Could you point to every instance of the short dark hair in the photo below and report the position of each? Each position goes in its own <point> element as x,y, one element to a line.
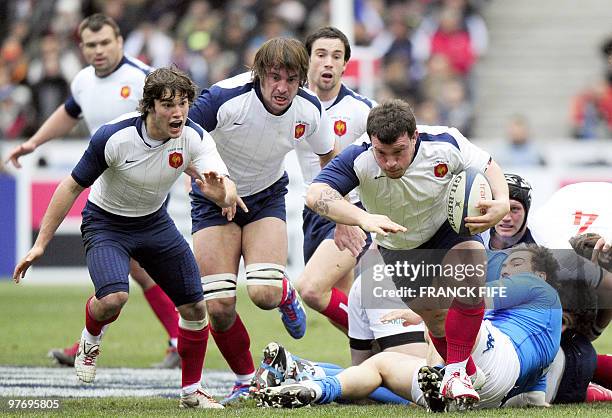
<point>96,22</point>
<point>329,32</point>
<point>390,120</point>
<point>542,260</point>
<point>281,52</point>
<point>161,81</point>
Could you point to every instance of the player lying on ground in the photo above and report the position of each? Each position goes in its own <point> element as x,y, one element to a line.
<point>517,341</point>
<point>131,164</point>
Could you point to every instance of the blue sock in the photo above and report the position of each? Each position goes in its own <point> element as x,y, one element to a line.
<point>330,388</point>
<point>330,369</point>
<point>384,395</point>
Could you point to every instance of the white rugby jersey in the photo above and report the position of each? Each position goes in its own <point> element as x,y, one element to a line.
<point>101,99</point>
<point>131,177</point>
<point>417,199</point>
<point>574,209</point>
<point>349,115</point>
<point>252,141</point>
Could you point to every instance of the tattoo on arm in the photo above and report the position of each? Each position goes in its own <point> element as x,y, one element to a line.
<point>327,196</point>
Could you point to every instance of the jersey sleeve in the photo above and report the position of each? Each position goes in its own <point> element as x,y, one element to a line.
<point>523,291</point>
<point>321,141</point>
<point>206,107</point>
<point>206,157</point>
<point>472,156</point>
<point>340,173</point>
<point>93,162</point>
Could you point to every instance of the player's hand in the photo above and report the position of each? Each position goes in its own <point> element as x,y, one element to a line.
<point>25,263</point>
<point>494,211</point>
<point>407,316</point>
<point>348,237</point>
<point>380,224</point>
<point>602,253</point>
<point>19,151</point>
<point>230,211</point>
<point>212,185</point>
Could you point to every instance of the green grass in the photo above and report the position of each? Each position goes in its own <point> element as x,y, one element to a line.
<point>36,318</point>
<point>158,407</point>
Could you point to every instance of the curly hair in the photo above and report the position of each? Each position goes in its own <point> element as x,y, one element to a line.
<point>166,83</point>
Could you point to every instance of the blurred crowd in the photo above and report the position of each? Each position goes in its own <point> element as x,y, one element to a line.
<point>426,48</point>
<point>591,108</point>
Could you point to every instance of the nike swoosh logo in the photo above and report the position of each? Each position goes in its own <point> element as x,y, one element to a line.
<point>130,161</point>
<point>237,124</point>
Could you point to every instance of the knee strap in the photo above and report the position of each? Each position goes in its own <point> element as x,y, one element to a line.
<point>216,286</point>
<point>265,274</point>
<point>193,325</point>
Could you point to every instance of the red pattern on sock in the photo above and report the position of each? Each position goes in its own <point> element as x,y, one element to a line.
<point>334,311</point>
<point>192,348</point>
<point>285,290</point>
<point>234,345</point>
<point>462,325</point>
<point>596,393</point>
<point>164,309</point>
<point>94,327</point>
<point>603,371</point>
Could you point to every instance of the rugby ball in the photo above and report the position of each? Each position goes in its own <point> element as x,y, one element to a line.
<point>465,190</point>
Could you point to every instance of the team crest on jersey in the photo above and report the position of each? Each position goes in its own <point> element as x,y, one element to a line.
<point>300,128</point>
<point>440,170</point>
<point>125,92</point>
<point>175,159</point>
<point>340,127</point>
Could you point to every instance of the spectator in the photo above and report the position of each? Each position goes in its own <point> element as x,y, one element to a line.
<point>519,149</point>
<point>14,106</point>
<point>591,111</point>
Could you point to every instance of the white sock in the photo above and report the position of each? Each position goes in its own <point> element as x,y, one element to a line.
<point>245,379</point>
<point>188,390</point>
<point>91,339</point>
<point>314,386</point>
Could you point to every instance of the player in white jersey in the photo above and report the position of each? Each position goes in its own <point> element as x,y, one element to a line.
<point>402,177</point>
<point>327,276</point>
<point>131,164</point>
<point>255,119</point>
<point>110,86</point>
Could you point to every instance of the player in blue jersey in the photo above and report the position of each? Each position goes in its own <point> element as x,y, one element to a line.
<point>402,178</point>
<point>516,343</point>
<point>108,87</point>
<point>255,118</point>
<point>328,274</point>
<point>131,164</point>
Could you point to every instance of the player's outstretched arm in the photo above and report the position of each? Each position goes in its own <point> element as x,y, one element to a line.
<point>495,209</point>
<point>61,202</point>
<point>328,202</point>
<point>58,124</point>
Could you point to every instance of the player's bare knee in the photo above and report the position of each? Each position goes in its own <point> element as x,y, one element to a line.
<point>312,296</point>
<point>193,311</point>
<point>265,297</point>
<point>221,312</point>
<point>111,304</point>
<point>265,284</point>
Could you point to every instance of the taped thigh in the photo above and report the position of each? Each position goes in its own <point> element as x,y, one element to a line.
<point>216,286</point>
<point>265,274</point>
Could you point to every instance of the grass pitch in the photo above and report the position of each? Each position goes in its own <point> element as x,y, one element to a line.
<point>35,318</point>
